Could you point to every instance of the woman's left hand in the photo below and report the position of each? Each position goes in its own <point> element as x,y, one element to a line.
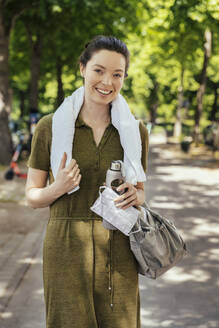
<point>129,198</point>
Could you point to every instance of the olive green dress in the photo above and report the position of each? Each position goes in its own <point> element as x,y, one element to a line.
<point>90,276</point>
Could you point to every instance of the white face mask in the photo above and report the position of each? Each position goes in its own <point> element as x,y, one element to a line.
<point>123,220</point>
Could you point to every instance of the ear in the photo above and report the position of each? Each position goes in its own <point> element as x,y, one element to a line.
<point>82,68</point>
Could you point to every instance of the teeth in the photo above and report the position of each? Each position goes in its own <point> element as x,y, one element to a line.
<point>104,92</point>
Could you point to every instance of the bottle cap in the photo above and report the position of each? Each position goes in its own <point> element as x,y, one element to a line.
<point>115,166</point>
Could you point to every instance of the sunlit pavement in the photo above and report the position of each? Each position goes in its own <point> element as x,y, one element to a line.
<point>186,296</point>
<point>21,235</point>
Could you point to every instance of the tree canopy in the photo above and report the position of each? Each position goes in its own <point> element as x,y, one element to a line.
<point>174,46</point>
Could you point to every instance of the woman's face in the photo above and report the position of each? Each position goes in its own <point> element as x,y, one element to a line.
<point>103,76</point>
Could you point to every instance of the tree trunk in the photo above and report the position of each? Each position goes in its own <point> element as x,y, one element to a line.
<point>216,138</point>
<point>6,25</point>
<point>154,103</point>
<point>22,96</point>
<point>203,79</point>
<point>178,123</point>
<point>5,135</point>
<point>215,107</point>
<point>36,52</point>
<point>60,91</point>
<point>153,112</point>
<point>35,60</point>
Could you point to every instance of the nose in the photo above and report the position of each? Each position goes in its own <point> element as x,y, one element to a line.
<point>107,79</point>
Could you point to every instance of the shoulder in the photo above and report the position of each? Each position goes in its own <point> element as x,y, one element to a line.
<point>41,143</point>
<point>45,122</point>
<point>43,131</point>
<point>44,128</point>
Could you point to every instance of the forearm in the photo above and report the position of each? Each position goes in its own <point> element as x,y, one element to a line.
<point>42,197</point>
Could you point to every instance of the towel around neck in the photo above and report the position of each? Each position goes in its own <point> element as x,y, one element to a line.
<point>63,128</point>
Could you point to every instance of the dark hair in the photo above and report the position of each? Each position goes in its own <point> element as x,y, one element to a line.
<point>104,42</point>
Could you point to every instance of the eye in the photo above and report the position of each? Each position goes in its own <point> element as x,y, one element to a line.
<point>99,71</point>
<point>117,75</point>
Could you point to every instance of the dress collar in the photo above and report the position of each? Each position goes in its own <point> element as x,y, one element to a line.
<point>80,122</point>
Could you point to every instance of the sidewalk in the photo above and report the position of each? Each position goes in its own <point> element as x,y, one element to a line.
<point>21,236</point>
<point>188,191</point>
<point>185,297</point>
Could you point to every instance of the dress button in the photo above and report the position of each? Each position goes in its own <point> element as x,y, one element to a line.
<point>111,305</point>
<point>110,288</point>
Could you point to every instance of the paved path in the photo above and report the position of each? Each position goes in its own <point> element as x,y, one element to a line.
<point>186,296</point>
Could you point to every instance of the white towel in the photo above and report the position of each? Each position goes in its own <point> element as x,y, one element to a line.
<point>63,128</point>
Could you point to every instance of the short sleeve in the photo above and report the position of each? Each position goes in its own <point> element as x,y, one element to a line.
<point>41,143</point>
<point>145,145</point>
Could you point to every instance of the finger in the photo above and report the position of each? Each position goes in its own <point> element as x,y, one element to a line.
<point>125,195</point>
<point>71,171</point>
<point>63,161</point>
<point>71,164</point>
<point>129,205</point>
<point>123,186</point>
<point>74,171</point>
<point>126,201</point>
<point>75,175</point>
<point>77,181</point>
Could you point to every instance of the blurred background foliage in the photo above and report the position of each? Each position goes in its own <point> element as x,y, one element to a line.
<point>174,44</point>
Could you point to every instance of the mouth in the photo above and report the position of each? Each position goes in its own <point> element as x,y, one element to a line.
<point>104,92</point>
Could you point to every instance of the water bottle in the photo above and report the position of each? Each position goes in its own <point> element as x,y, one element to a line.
<point>114,179</point>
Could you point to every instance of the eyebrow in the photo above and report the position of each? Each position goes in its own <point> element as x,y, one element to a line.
<point>116,70</point>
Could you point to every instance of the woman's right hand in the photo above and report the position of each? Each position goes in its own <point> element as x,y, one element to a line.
<point>68,177</point>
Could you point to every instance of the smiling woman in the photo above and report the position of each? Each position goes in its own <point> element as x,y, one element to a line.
<point>90,274</point>
<point>102,84</point>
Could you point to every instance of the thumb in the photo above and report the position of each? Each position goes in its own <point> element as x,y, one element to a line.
<point>63,161</point>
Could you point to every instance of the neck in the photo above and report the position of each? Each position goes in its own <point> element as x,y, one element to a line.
<point>93,112</point>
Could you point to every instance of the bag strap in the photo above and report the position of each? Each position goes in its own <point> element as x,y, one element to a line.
<point>145,205</point>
